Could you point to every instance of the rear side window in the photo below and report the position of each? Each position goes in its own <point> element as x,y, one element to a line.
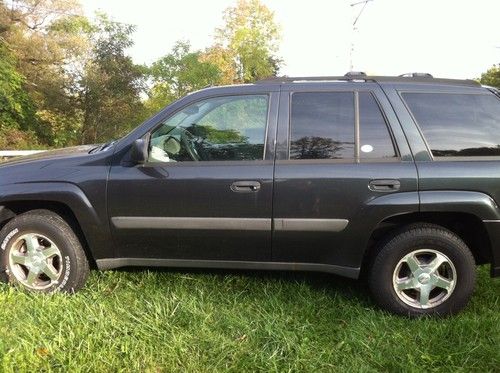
<point>322,126</point>
<point>458,125</point>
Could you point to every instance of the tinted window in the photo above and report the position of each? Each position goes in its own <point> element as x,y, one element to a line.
<point>458,125</point>
<point>322,125</point>
<point>216,129</point>
<point>375,140</point>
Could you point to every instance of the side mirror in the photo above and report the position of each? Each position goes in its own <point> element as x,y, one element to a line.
<point>139,151</point>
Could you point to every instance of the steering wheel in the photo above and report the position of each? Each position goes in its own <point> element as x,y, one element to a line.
<point>187,139</point>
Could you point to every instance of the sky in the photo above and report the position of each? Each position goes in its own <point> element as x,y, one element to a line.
<point>447,38</point>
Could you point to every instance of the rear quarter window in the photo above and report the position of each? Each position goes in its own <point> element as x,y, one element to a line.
<point>457,125</point>
<point>375,139</point>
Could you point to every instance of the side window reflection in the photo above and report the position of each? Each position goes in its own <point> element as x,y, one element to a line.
<point>217,129</point>
<point>322,125</point>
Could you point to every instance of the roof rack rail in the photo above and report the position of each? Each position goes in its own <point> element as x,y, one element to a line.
<point>294,79</point>
<point>362,77</point>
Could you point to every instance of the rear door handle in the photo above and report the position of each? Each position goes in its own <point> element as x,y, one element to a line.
<point>385,185</point>
<point>245,186</point>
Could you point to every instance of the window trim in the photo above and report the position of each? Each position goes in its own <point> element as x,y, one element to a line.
<point>427,145</point>
<point>356,159</point>
<point>163,120</point>
<point>260,162</point>
<point>357,137</point>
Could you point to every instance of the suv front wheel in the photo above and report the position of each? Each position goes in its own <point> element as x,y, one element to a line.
<point>40,252</point>
<point>423,269</point>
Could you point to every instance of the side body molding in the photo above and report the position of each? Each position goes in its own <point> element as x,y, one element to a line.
<point>311,225</point>
<point>475,203</point>
<point>211,223</point>
<point>94,227</point>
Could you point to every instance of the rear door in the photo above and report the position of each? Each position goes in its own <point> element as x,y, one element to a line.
<point>343,165</point>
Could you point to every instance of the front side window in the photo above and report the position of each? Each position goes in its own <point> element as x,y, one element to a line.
<point>457,125</point>
<point>230,128</point>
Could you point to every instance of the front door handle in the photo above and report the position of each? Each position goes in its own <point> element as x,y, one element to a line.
<point>385,185</point>
<point>245,186</point>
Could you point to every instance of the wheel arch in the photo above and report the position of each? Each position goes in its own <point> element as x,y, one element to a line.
<point>468,226</point>
<point>67,200</point>
<point>13,208</point>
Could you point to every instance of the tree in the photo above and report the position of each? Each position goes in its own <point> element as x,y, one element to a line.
<point>178,73</point>
<point>244,51</point>
<point>111,85</point>
<point>46,38</point>
<point>17,112</point>
<point>250,37</point>
<point>491,77</point>
<point>316,148</point>
<point>222,58</point>
<point>67,80</point>
<point>82,85</point>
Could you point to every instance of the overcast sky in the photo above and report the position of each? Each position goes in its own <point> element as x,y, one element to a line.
<point>448,38</point>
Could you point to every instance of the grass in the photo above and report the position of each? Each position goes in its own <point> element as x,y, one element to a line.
<point>164,321</point>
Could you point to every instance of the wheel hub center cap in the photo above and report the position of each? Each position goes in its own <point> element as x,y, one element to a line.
<point>424,278</point>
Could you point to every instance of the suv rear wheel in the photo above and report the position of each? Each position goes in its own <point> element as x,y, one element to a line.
<point>423,269</point>
<point>40,252</point>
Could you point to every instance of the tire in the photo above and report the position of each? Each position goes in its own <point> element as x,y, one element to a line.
<point>423,269</point>
<point>40,252</point>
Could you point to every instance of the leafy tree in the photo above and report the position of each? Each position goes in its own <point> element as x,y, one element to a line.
<point>178,73</point>
<point>491,77</point>
<point>67,80</point>
<point>46,37</point>
<point>244,51</point>
<point>223,59</point>
<point>250,37</point>
<point>110,88</point>
<point>17,113</point>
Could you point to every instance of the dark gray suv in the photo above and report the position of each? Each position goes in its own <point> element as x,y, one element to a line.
<point>395,179</point>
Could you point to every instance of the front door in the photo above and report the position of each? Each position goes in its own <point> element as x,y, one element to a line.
<point>206,191</point>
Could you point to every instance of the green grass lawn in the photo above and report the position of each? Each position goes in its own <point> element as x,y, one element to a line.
<point>218,321</point>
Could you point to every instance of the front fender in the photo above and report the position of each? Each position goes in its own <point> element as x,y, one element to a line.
<point>94,226</point>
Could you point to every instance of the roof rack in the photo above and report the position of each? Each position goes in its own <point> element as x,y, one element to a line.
<point>350,76</point>
<point>355,73</point>
<point>362,77</point>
